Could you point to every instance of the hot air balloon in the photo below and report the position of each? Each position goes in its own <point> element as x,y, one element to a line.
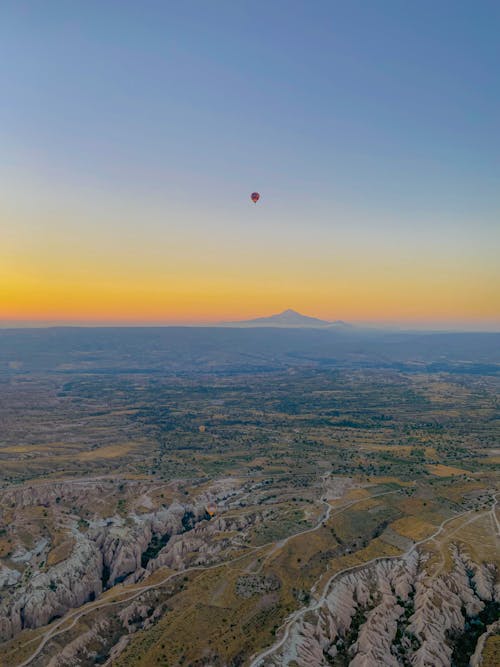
<point>255,197</point>
<point>211,508</point>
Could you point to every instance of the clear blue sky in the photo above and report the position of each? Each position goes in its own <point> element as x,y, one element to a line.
<point>366,125</point>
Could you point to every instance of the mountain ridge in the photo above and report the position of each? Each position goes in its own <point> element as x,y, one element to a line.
<point>288,318</point>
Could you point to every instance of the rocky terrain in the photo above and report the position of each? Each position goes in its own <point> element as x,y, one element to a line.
<point>108,551</point>
<point>281,510</point>
<point>390,613</point>
<point>47,595</point>
<point>402,610</point>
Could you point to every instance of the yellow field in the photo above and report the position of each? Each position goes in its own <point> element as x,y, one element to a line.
<point>108,452</point>
<point>159,575</point>
<point>491,652</point>
<point>377,548</point>
<point>60,552</point>
<point>398,450</point>
<point>490,459</point>
<point>27,449</point>
<point>459,488</point>
<point>20,647</point>
<point>472,531</point>
<point>387,479</point>
<point>413,527</point>
<point>5,547</point>
<point>445,471</point>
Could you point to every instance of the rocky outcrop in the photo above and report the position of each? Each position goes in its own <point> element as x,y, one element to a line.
<point>389,613</point>
<point>139,615</point>
<point>122,546</point>
<point>46,494</point>
<point>46,595</point>
<point>249,585</point>
<point>112,550</point>
<point>8,577</point>
<point>198,546</point>
<point>190,549</point>
<point>116,650</point>
<point>107,636</point>
<point>439,605</point>
<point>68,657</point>
<point>483,579</point>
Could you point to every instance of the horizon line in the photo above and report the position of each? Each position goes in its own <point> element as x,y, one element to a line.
<point>381,325</point>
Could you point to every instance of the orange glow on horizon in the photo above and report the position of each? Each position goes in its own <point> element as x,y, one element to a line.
<point>65,269</point>
<point>28,299</point>
<point>131,148</point>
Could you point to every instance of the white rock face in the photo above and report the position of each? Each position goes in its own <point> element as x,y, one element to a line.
<point>111,551</point>
<point>48,594</point>
<point>68,656</point>
<point>8,577</point>
<point>122,547</point>
<point>25,556</point>
<point>388,613</point>
<point>197,546</point>
<point>318,635</point>
<point>46,494</point>
<point>377,634</point>
<point>484,579</point>
<point>438,611</point>
<point>71,583</point>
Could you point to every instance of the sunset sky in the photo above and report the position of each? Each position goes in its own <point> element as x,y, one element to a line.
<point>132,134</point>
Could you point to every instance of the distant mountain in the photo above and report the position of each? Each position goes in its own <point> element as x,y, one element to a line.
<point>288,318</point>
<point>340,324</point>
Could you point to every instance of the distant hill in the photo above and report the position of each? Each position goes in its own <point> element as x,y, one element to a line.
<point>288,318</point>
<point>108,351</point>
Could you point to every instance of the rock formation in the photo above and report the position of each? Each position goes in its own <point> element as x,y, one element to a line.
<point>389,613</point>
<point>110,551</point>
<point>49,594</point>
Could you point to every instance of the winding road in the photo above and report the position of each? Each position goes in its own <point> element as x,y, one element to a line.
<point>60,626</point>
<point>69,620</point>
<point>258,661</point>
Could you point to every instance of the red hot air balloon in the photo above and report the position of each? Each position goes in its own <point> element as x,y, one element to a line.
<point>255,197</point>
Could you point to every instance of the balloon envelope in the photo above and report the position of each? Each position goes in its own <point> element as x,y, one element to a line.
<point>255,197</point>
